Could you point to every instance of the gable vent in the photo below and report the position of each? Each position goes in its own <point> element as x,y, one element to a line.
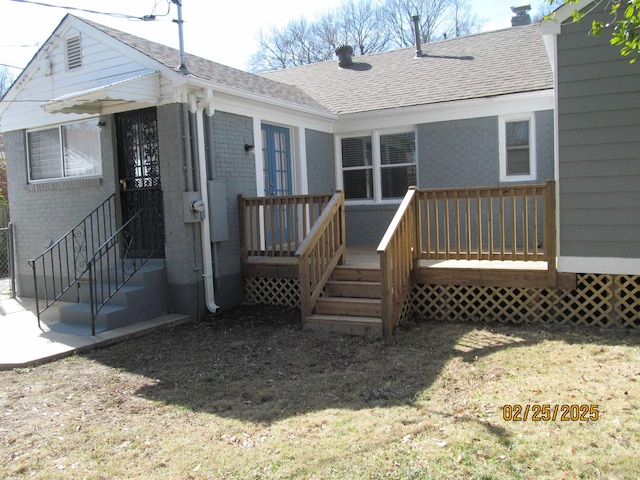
<point>74,52</point>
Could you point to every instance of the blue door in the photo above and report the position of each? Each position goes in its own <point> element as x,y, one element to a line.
<point>276,154</point>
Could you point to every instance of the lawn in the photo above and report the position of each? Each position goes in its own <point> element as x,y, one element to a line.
<point>247,394</point>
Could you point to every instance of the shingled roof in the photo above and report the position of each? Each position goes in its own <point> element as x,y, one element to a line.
<point>212,71</point>
<point>489,64</point>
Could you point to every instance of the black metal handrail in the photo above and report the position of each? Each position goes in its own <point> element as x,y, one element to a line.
<point>111,268</point>
<point>64,263</point>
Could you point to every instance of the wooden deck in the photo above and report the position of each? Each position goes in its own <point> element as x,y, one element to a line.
<point>498,273</point>
<point>484,237</point>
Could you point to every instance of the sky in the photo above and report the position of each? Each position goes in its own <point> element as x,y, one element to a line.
<point>223,31</point>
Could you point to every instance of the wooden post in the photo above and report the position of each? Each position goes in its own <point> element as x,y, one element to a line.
<point>550,232</point>
<point>343,229</point>
<point>305,288</point>
<point>243,233</point>
<point>387,295</point>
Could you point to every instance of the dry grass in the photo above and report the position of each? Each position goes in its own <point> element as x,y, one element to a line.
<point>249,395</point>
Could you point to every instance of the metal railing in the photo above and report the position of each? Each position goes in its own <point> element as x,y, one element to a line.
<point>89,251</point>
<point>64,263</point>
<point>117,260</point>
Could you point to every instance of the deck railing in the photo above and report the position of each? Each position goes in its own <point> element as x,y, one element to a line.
<point>398,255</point>
<point>498,223</point>
<point>276,226</point>
<point>322,249</point>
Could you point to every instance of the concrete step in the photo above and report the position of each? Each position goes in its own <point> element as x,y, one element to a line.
<point>362,274</point>
<point>358,307</point>
<point>353,288</point>
<point>110,316</point>
<point>142,298</point>
<point>345,325</point>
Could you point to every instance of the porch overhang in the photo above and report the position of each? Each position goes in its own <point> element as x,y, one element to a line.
<point>142,90</point>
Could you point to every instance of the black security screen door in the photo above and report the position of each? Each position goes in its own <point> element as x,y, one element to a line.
<point>139,168</point>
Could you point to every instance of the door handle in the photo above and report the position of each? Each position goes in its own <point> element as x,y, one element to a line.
<point>123,182</point>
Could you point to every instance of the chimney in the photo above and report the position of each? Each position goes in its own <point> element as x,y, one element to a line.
<point>522,16</point>
<point>344,53</point>
<point>416,34</point>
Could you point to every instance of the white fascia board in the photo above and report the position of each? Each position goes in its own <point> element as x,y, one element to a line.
<point>599,265</point>
<point>225,102</point>
<point>458,110</point>
<point>564,12</point>
<point>251,98</point>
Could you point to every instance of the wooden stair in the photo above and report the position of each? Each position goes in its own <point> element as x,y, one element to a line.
<point>351,303</point>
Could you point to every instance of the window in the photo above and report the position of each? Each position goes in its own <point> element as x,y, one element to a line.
<point>397,164</point>
<point>517,149</point>
<point>357,168</point>
<point>378,167</point>
<point>71,150</point>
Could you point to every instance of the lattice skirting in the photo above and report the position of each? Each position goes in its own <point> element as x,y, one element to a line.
<point>272,291</point>
<point>598,300</point>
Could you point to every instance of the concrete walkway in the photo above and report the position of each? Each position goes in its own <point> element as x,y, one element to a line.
<point>23,344</point>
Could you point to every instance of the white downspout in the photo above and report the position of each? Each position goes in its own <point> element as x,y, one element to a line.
<point>198,108</point>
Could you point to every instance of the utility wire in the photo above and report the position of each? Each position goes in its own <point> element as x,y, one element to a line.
<point>110,14</point>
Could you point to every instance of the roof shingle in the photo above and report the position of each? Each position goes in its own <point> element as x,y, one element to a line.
<point>503,62</point>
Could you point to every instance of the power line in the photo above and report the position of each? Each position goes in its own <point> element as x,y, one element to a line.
<point>110,14</point>
<point>10,66</point>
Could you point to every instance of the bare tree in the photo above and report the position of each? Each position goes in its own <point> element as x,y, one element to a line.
<point>369,26</point>
<point>296,44</point>
<point>362,26</point>
<point>398,15</point>
<point>462,20</point>
<point>5,80</point>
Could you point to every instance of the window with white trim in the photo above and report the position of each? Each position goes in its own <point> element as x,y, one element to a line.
<point>378,167</point>
<point>65,151</point>
<point>517,148</point>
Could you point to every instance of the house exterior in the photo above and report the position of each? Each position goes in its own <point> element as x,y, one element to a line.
<point>598,142</point>
<point>472,111</point>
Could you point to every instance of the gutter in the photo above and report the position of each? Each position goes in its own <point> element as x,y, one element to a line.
<point>198,108</point>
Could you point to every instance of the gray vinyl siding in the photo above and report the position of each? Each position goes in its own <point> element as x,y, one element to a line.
<point>321,175</point>
<point>599,144</point>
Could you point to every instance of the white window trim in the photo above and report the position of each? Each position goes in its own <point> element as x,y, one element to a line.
<point>61,145</point>
<point>376,163</point>
<point>502,141</point>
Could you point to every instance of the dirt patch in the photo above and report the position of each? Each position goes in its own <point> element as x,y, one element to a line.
<point>248,394</point>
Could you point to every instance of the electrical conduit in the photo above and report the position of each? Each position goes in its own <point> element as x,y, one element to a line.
<point>198,108</point>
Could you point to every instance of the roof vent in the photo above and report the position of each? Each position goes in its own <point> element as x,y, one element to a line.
<point>522,16</point>
<point>416,35</point>
<point>73,52</point>
<point>345,55</point>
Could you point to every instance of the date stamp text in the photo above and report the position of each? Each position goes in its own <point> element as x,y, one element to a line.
<point>546,413</point>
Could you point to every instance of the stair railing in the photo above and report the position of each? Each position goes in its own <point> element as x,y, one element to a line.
<point>64,263</point>
<point>322,249</point>
<point>398,251</point>
<point>117,260</point>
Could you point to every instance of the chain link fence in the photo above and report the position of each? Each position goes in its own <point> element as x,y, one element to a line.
<point>7,279</point>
